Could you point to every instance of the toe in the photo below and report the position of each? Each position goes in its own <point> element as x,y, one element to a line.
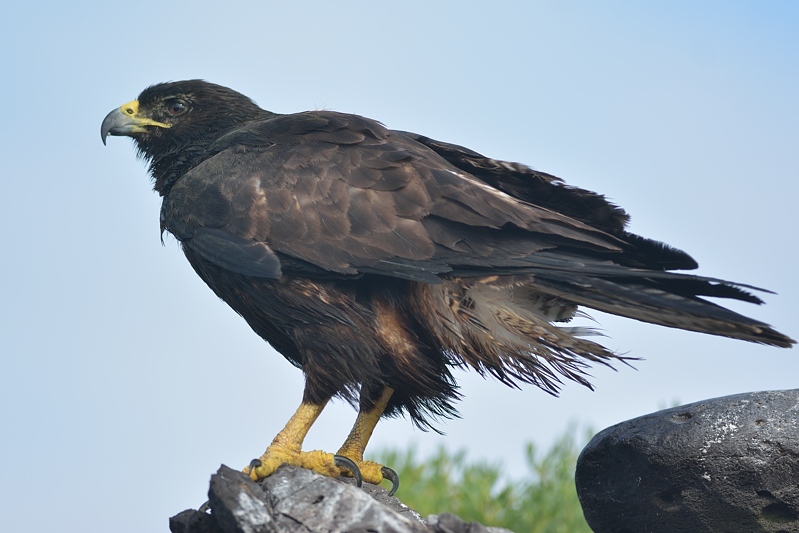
<point>392,476</point>
<point>371,472</point>
<point>349,464</point>
<point>323,463</point>
<point>270,461</point>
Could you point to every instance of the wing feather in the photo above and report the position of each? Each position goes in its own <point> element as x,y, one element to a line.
<point>349,196</point>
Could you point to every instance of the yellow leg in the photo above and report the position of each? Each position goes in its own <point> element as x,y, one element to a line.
<point>292,436</point>
<point>365,424</point>
<point>359,436</point>
<point>286,448</point>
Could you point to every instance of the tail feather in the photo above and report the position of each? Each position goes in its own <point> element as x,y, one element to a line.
<point>666,299</point>
<point>508,326</point>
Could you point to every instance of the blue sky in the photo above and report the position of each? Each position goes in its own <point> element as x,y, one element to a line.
<point>125,382</point>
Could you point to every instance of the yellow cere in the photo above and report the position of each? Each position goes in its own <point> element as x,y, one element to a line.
<point>131,109</point>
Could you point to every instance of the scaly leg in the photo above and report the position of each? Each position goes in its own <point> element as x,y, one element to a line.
<point>286,448</point>
<point>358,438</point>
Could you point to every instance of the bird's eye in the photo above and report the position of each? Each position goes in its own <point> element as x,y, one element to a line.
<point>176,107</point>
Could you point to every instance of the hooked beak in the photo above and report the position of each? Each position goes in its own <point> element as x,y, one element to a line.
<point>125,120</point>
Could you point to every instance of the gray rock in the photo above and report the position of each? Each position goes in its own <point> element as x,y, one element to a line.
<point>191,521</point>
<point>319,503</point>
<point>723,465</point>
<point>295,500</point>
<point>449,523</point>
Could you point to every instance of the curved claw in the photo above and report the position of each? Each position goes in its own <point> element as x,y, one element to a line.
<point>392,476</point>
<point>255,463</point>
<point>349,464</point>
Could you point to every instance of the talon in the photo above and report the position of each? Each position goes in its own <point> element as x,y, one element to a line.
<point>349,464</point>
<point>392,476</point>
<point>255,463</point>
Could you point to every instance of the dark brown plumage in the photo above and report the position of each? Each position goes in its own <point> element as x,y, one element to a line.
<point>373,258</point>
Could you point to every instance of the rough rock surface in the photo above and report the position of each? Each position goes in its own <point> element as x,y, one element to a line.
<point>297,500</point>
<point>723,465</point>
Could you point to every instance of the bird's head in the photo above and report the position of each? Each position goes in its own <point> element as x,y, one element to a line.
<point>174,123</point>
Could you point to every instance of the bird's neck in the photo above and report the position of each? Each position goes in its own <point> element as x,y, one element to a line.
<point>172,162</point>
<point>168,168</point>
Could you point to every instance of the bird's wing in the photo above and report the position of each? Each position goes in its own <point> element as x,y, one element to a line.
<point>550,192</point>
<point>324,194</point>
<point>340,194</point>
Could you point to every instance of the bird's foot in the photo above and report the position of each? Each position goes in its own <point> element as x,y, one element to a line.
<point>323,463</point>
<point>368,471</point>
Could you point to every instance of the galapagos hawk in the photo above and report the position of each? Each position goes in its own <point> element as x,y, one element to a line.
<point>377,260</point>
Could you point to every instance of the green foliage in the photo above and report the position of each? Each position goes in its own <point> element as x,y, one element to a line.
<point>544,501</point>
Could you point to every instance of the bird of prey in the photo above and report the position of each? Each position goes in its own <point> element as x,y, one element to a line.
<point>377,260</point>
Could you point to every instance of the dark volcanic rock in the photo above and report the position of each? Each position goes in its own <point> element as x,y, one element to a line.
<point>723,465</point>
<point>194,522</point>
<point>297,500</point>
